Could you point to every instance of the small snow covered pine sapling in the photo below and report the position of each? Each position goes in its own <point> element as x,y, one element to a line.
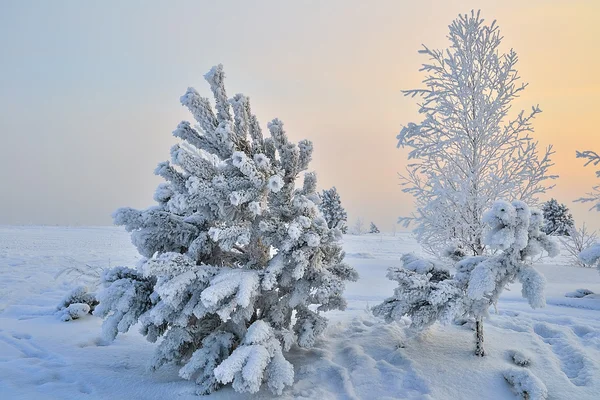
<point>373,228</point>
<point>333,212</point>
<point>239,261</point>
<point>467,151</point>
<point>515,231</point>
<point>427,293</point>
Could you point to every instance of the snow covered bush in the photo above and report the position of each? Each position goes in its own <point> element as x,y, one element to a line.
<point>239,261</point>
<point>373,228</point>
<point>576,241</point>
<point>333,212</point>
<point>520,358</point>
<point>558,220</point>
<point>591,255</point>
<point>426,294</point>
<point>526,385</point>
<point>76,304</point>
<point>466,152</point>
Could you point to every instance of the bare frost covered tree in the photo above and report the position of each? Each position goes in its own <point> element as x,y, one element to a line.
<point>358,228</point>
<point>576,241</point>
<point>466,152</point>
<point>594,196</point>
<point>591,255</point>
<point>427,293</point>
<point>239,263</point>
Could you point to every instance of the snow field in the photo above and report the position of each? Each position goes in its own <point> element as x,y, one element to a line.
<point>359,357</point>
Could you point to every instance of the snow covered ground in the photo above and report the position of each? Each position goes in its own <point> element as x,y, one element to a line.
<point>359,358</point>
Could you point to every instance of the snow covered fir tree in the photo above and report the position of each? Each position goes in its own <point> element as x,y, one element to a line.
<point>373,228</point>
<point>467,152</point>
<point>558,221</point>
<point>239,261</point>
<point>333,212</point>
<point>427,293</point>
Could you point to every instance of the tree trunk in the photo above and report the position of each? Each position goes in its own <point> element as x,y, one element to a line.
<point>479,350</point>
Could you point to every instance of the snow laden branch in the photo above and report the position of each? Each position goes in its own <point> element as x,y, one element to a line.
<point>239,261</point>
<point>466,152</point>
<point>427,293</point>
<point>593,158</point>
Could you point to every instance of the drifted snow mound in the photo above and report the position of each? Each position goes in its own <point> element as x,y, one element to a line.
<point>520,358</point>
<point>579,293</point>
<point>591,255</point>
<point>526,385</point>
<point>76,304</point>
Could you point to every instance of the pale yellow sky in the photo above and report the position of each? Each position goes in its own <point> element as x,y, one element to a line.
<point>89,92</point>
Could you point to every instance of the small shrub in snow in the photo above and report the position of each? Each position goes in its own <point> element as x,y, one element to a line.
<point>76,304</point>
<point>333,212</point>
<point>373,228</point>
<point>591,255</point>
<point>424,293</point>
<point>239,263</point>
<point>579,293</point>
<point>427,293</point>
<point>520,358</point>
<point>526,385</point>
<point>74,311</point>
<point>89,275</point>
<point>577,241</point>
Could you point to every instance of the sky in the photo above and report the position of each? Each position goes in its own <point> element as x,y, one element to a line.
<point>89,92</point>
